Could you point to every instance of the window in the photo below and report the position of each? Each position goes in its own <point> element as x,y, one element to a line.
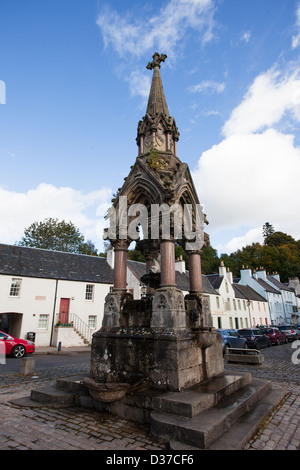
<point>43,322</point>
<point>92,322</point>
<point>89,292</point>
<point>218,302</point>
<point>15,288</point>
<point>234,304</point>
<point>239,304</point>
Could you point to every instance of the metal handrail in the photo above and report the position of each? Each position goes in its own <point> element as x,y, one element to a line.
<point>81,327</point>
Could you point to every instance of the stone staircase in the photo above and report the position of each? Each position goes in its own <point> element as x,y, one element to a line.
<point>221,414</point>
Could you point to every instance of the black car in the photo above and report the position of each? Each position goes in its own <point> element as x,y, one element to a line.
<point>231,339</point>
<point>255,338</point>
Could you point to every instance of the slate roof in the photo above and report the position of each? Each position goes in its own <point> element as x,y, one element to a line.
<point>138,268</point>
<point>48,264</point>
<point>279,284</point>
<point>215,280</point>
<point>182,279</point>
<point>246,292</point>
<point>267,286</point>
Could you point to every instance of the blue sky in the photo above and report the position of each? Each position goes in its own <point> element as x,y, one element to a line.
<point>76,86</point>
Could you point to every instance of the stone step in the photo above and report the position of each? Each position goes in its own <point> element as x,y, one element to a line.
<point>50,396</point>
<point>72,384</point>
<point>202,430</point>
<point>242,431</point>
<point>191,402</point>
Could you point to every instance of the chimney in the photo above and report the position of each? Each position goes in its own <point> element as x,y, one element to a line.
<point>229,276</point>
<point>180,265</point>
<point>261,274</point>
<point>110,256</point>
<point>246,275</point>
<point>222,269</point>
<point>276,276</point>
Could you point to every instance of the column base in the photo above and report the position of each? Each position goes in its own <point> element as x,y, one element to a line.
<point>168,309</point>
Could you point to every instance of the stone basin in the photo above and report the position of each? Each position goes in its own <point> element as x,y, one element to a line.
<point>206,336</point>
<point>106,392</point>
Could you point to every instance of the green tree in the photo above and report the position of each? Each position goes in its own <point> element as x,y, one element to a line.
<point>209,260</point>
<point>268,229</point>
<point>136,255</point>
<point>279,238</point>
<point>52,234</point>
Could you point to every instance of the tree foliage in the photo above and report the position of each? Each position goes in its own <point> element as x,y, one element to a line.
<point>52,234</point>
<point>279,253</point>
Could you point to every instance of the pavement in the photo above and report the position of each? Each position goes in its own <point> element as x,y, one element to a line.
<point>78,428</point>
<point>63,351</point>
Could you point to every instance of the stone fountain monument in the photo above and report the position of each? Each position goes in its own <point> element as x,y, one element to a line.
<point>158,359</point>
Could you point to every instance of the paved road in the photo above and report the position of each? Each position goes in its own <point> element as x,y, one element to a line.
<point>82,429</point>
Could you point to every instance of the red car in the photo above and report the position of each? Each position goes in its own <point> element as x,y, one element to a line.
<point>16,347</point>
<point>276,336</point>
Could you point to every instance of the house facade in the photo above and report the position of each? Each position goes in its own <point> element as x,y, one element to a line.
<point>281,299</point>
<point>235,307</point>
<point>57,296</point>
<point>60,296</point>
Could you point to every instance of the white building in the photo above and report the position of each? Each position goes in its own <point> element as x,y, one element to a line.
<point>236,306</point>
<point>60,296</point>
<point>281,299</point>
<point>51,294</point>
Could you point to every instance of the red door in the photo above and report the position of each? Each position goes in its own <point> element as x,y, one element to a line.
<point>64,310</point>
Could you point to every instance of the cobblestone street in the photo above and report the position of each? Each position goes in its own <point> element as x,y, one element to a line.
<point>83,429</point>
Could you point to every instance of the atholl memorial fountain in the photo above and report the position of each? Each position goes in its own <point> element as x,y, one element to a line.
<point>159,360</point>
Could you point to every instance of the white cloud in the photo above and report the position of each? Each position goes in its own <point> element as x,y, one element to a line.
<point>252,175</point>
<point>86,211</point>
<point>164,29</point>
<point>246,36</point>
<point>208,86</point>
<point>269,97</point>
<point>253,235</point>
<point>139,84</point>
<point>296,38</point>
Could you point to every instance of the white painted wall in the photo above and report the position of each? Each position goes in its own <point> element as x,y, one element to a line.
<point>37,297</point>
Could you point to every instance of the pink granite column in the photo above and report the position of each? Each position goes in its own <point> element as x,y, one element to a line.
<point>167,253</point>
<point>120,266</point>
<point>195,271</point>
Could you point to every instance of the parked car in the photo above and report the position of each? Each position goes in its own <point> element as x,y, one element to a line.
<point>16,347</point>
<point>255,338</point>
<point>231,339</point>
<point>276,336</point>
<point>291,331</point>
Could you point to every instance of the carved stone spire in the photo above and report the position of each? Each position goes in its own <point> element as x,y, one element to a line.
<point>157,130</point>
<point>157,103</point>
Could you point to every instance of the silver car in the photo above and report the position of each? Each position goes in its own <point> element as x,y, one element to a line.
<point>292,333</point>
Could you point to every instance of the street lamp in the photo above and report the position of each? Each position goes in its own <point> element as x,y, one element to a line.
<point>249,303</point>
<point>144,291</point>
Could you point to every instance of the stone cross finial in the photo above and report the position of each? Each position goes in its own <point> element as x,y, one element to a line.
<point>157,59</point>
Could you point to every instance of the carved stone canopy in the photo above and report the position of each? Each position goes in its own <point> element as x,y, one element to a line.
<point>158,176</point>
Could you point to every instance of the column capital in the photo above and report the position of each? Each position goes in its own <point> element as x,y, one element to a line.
<point>194,252</point>
<point>121,245</point>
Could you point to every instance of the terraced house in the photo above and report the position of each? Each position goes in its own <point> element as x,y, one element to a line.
<point>59,297</point>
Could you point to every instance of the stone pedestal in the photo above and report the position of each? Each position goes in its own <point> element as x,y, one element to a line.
<point>168,358</point>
